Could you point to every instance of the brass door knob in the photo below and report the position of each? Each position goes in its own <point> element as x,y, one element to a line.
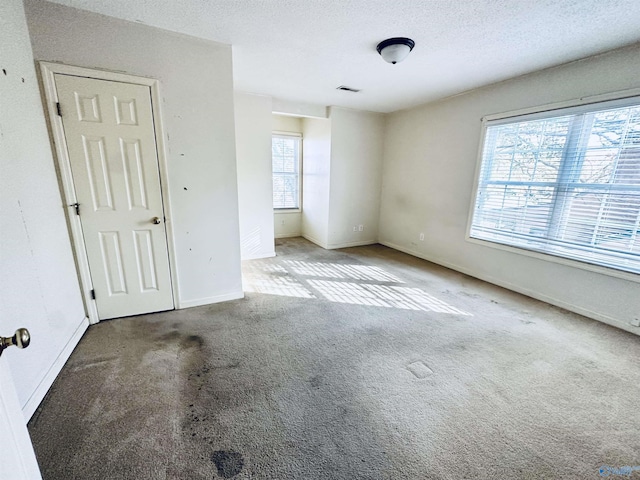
<point>156,220</point>
<point>20,339</point>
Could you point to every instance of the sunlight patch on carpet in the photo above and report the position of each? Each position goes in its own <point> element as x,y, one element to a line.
<point>383,296</point>
<point>338,270</point>
<point>275,285</point>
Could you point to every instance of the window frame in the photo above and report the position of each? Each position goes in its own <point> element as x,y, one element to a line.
<point>568,107</point>
<point>298,136</point>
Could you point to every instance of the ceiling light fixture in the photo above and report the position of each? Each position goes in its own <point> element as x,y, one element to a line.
<point>394,50</point>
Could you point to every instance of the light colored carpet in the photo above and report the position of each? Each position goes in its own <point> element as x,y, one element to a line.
<point>362,363</point>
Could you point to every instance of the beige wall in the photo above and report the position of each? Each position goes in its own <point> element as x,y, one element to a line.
<point>429,171</point>
<point>255,188</point>
<point>197,101</point>
<point>39,288</point>
<point>342,178</point>
<point>316,154</point>
<point>286,123</point>
<point>356,176</point>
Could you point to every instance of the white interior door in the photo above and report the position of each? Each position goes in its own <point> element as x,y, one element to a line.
<point>17,459</point>
<point>109,131</point>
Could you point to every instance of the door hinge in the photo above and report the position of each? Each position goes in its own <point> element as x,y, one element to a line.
<point>93,294</point>
<point>59,109</point>
<point>77,207</point>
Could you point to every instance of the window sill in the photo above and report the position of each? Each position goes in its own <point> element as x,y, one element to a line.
<point>287,210</point>
<point>612,272</point>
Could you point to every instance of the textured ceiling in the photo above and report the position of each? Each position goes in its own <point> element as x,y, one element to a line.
<point>301,50</point>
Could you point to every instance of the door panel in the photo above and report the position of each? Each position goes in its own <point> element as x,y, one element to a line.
<point>110,137</point>
<point>17,458</point>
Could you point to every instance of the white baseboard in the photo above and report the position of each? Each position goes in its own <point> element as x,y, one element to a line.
<point>359,243</point>
<point>313,240</point>
<point>260,255</point>
<point>31,405</point>
<point>333,246</point>
<point>209,300</point>
<point>288,235</point>
<point>516,288</point>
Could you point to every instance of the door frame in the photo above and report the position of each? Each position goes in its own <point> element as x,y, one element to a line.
<point>47,74</point>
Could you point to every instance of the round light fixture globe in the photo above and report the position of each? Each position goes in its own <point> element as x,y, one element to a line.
<point>394,50</point>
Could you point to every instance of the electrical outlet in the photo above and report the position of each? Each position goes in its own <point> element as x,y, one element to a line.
<point>355,229</point>
<point>635,322</point>
<point>360,228</point>
<point>422,237</point>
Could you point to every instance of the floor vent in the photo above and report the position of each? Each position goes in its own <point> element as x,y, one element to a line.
<point>419,369</point>
<point>348,89</point>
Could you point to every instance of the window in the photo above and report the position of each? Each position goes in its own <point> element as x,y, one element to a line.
<point>285,156</point>
<point>565,183</point>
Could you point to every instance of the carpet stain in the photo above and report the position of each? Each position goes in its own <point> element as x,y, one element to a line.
<point>193,341</point>
<point>316,381</point>
<point>169,337</point>
<point>228,463</point>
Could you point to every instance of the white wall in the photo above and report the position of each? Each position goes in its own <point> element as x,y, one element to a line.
<point>356,176</point>
<point>255,187</point>
<point>316,154</point>
<point>342,175</point>
<point>286,123</point>
<point>298,109</point>
<point>429,167</point>
<point>38,285</point>
<point>197,90</point>
<point>287,224</point>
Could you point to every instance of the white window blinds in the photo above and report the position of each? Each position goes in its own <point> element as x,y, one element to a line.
<point>285,155</point>
<point>565,183</point>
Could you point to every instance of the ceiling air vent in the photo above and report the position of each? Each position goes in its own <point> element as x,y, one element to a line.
<point>348,89</point>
